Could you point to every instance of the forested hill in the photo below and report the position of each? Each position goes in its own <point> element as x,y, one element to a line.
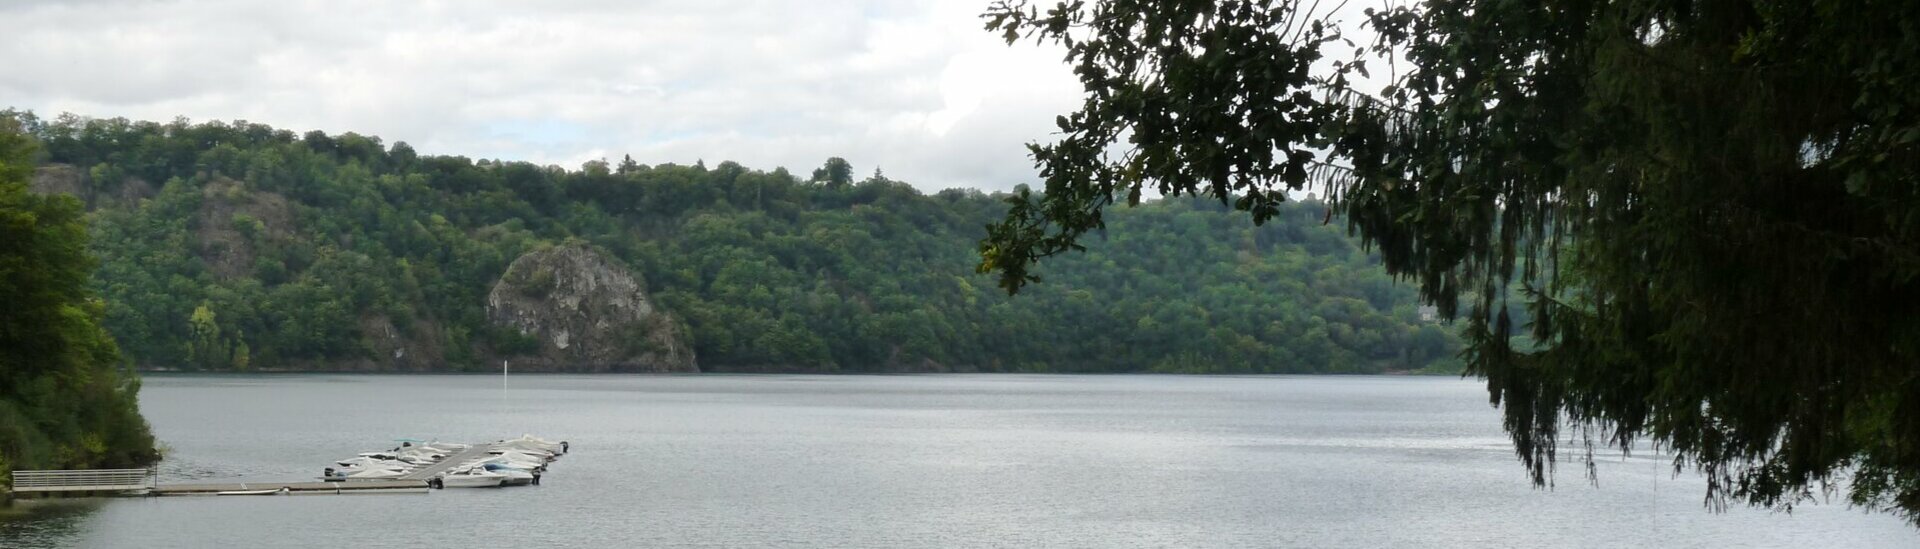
<point>235,246</point>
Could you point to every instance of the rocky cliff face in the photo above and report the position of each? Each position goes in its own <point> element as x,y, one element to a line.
<point>588,314</point>
<point>67,179</point>
<point>235,221</point>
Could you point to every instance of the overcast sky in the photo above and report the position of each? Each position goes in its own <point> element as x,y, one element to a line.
<point>913,86</point>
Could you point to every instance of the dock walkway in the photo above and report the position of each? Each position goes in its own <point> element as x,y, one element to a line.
<point>142,481</point>
<point>355,487</point>
<point>82,481</point>
<point>472,452</point>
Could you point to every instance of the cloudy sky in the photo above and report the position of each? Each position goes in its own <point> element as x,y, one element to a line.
<point>913,86</point>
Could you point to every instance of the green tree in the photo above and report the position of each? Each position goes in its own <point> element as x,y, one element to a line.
<point>205,347</point>
<point>835,174</point>
<point>242,355</point>
<point>1713,208</point>
<point>64,402</point>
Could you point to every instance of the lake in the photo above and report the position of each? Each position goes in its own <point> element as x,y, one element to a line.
<point>909,461</point>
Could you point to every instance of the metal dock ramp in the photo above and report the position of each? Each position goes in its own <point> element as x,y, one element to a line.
<point>82,481</point>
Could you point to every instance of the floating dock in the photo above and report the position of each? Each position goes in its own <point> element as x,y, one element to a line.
<point>292,488</point>
<point>141,482</point>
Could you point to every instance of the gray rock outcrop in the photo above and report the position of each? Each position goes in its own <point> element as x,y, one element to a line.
<point>588,314</point>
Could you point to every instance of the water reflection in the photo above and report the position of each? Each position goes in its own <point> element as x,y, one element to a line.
<point>44,522</point>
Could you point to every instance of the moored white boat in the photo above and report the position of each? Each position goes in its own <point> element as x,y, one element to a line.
<point>514,477</point>
<point>377,473</point>
<point>272,492</point>
<point>364,462</point>
<point>517,461</point>
<point>532,444</point>
<point>472,478</point>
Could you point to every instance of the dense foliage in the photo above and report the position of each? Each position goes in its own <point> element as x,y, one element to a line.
<point>65,401</point>
<point>237,246</point>
<point>1713,206</point>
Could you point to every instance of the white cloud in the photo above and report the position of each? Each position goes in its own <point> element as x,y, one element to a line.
<point>916,87</point>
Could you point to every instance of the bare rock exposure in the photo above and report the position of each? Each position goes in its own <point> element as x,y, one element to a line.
<point>587,313</point>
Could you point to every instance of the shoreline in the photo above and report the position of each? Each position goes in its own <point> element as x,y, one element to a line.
<point>271,373</point>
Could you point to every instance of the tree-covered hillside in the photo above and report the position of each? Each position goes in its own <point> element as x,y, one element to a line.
<point>239,246</point>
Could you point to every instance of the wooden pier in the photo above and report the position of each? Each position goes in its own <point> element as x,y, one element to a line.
<point>292,488</point>
<point>140,482</point>
<point>413,482</point>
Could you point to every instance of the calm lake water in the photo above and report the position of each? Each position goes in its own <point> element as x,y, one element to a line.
<point>908,461</point>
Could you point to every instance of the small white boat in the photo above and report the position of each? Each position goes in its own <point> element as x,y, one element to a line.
<point>530,442</point>
<point>523,457</point>
<point>273,492</point>
<point>537,450</point>
<point>381,473</point>
<point>514,477</point>
<point>368,463</point>
<point>491,462</point>
<point>472,478</point>
<point>517,461</point>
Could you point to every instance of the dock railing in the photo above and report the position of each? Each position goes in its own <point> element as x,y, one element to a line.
<point>93,480</point>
